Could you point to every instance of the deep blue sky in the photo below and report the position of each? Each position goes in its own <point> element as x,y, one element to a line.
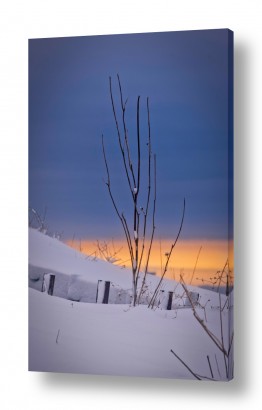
<point>185,75</point>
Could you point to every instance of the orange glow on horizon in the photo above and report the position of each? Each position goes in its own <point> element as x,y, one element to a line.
<point>212,257</point>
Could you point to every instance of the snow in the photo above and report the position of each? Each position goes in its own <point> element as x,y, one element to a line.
<point>66,335</point>
<point>51,254</point>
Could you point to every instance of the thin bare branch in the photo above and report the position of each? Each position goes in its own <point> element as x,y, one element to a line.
<point>222,335</point>
<point>210,368</point>
<point>108,184</point>
<point>138,144</point>
<point>221,275</point>
<point>149,186</point>
<point>231,342</point>
<point>193,273</point>
<point>217,366</point>
<point>161,258</point>
<point>123,106</point>
<point>201,322</point>
<point>152,233</point>
<point>129,240</point>
<point>136,193</point>
<point>184,364</point>
<point>119,136</point>
<point>151,303</point>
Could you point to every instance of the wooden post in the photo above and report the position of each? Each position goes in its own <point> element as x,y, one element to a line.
<point>167,298</point>
<point>106,294</point>
<point>169,302</point>
<point>102,293</point>
<point>98,283</point>
<point>51,285</point>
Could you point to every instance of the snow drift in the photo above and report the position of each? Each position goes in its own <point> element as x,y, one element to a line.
<point>114,338</point>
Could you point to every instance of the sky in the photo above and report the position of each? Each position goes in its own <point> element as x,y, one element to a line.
<point>185,75</point>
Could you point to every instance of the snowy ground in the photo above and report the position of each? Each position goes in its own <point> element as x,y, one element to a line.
<point>115,339</point>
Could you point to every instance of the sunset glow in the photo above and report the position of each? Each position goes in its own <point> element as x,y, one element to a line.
<point>212,257</point>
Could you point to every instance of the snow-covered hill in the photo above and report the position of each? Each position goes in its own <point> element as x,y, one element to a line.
<point>75,270</point>
<point>116,339</point>
<point>55,256</point>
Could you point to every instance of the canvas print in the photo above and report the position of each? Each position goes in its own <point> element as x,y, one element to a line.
<point>131,268</point>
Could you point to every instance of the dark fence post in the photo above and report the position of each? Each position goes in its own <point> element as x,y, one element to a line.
<point>43,284</point>
<point>169,302</point>
<point>166,300</point>
<point>51,285</point>
<point>106,294</point>
<point>102,292</point>
<point>98,283</point>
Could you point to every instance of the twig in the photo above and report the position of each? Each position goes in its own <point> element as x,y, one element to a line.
<point>188,368</point>
<point>221,275</point>
<point>136,213</point>
<point>138,144</point>
<point>149,186</point>
<point>123,106</point>
<point>201,322</point>
<point>121,218</point>
<point>152,233</point>
<point>151,303</point>
<point>119,135</point>
<point>161,259</point>
<point>210,367</point>
<point>195,265</point>
<point>57,336</point>
<point>222,336</point>
<point>217,366</point>
<point>231,343</point>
